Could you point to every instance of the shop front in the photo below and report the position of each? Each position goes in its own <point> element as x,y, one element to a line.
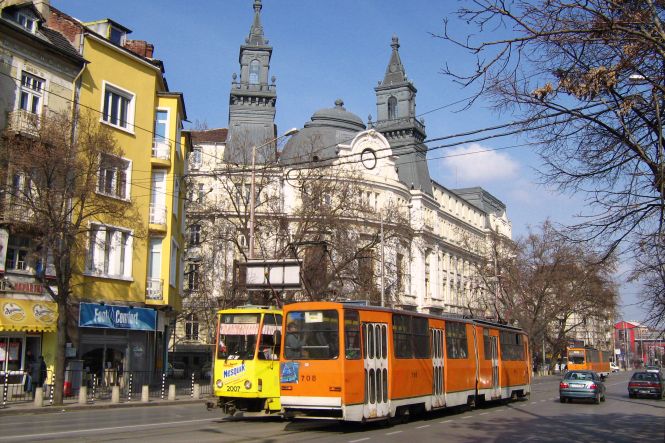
<point>116,339</point>
<point>27,330</point>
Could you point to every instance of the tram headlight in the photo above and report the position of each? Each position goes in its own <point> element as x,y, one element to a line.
<point>248,384</point>
<point>219,384</point>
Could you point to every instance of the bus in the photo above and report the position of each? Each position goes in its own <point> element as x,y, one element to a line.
<point>363,363</point>
<point>589,359</point>
<point>246,360</point>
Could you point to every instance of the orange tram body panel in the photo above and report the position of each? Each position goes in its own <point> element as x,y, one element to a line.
<point>361,363</point>
<point>588,359</point>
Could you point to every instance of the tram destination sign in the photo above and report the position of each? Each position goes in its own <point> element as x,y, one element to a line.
<point>94,315</point>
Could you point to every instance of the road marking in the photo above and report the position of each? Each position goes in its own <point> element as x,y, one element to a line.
<point>445,421</point>
<point>484,413</point>
<point>360,439</point>
<point>423,426</point>
<point>543,400</point>
<point>114,428</point>
<point>468,416</point>
<point>534,402</point>
<point>393,433</point>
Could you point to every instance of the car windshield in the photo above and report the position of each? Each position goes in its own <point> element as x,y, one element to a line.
<point>646,376</point>
<point>579,376</point>
<point>576,360</point>
<point>237,336</point>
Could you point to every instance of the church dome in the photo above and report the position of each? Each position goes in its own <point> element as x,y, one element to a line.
<point>319,138</point>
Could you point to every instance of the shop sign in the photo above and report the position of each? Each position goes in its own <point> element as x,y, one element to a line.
<point>93,315</point>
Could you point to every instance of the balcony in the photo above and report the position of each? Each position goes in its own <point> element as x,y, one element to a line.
<point>157,214</point>
<point>15,211</point>
<point>154,289</point>
<point>161,149</point>
<point>23,122</point>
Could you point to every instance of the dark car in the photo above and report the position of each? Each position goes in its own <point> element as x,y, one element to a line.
<point>582,384</point>
<point>646,384</point>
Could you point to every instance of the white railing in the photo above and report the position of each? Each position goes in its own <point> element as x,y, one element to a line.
<point>23,121</point>
<point>154,289</point>
<point>161,149</point>
<point>157,214</point>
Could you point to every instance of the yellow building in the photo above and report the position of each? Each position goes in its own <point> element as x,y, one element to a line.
<point>131,286</point>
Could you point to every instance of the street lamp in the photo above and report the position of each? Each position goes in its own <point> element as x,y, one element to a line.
<point>252,197</point>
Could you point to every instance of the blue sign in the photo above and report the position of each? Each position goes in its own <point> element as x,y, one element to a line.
<point>93,315</point>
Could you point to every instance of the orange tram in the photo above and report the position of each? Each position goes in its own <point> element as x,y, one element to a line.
<point>362,363</point>
<point>589,359</point>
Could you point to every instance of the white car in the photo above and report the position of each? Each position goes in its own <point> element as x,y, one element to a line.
<point>614,367</point>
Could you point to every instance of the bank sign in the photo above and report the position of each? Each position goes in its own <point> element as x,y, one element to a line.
<point>93,315</point>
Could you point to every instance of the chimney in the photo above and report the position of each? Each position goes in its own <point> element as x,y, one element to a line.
<point>44,7</point>
<point>140,47</point>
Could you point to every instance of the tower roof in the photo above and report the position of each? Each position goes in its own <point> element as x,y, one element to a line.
<point>256,37</point>
<point>395,71</point>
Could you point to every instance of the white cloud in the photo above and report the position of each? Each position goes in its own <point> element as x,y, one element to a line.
<point>476,164</point>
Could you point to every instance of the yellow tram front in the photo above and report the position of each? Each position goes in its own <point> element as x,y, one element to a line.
<point>246,374</point>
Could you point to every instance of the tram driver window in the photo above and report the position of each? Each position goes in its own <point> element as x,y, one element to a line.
<point>312,335</point>
<point>268,349</point>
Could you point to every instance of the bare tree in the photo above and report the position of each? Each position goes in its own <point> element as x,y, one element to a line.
<point>586,79</point>
<point>547,285</point>
<point>59,160</point>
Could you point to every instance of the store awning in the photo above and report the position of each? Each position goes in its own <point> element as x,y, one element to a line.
<point>28,315</point>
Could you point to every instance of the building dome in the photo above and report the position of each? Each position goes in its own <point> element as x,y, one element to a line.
<point>318,140</point>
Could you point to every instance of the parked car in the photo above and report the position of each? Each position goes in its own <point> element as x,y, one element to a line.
<point>646,384</point>
<point>614,367</point>
<point>176,370</point>
<point>582,384</point>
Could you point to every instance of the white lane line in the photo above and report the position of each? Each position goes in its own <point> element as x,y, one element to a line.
<point>360,439</point>
<point>534,402</point>
<point>543,400</point>
<point>468,416</point>
<point>96,430</point>
<point>423,426</point>
<point>483,413</point>
<point>445,421</point>
<point>393,433</point>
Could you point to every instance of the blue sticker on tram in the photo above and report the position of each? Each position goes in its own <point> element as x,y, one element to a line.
<point>289,372</point>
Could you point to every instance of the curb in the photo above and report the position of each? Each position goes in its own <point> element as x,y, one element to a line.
<point>94,406</point>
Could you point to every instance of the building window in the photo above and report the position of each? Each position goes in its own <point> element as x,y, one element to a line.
<point>196,158</point>
<point>200,194</point>
<point>113,176</point>
<point>161,126</point>
<point>192,327</point>
<point>117,36</point>
<point>110,252</point>
<point>193,276</point>
<point>118,107</point>
<point>18,250</point>
<point>176,196</point>
<point>194,235</point>
<point>26,21</point>
<point>392,108</point>
<point>173,269</point>
<point>254,68</point>
<point>31,93</point>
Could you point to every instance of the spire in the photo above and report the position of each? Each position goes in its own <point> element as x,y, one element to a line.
<point>395,71</point>
<point>256,31</point>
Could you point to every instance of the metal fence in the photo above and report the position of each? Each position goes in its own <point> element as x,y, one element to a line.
<point>15,389</point>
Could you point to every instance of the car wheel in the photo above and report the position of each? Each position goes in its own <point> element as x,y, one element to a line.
<point>562,399</point>
<point>631,395</point>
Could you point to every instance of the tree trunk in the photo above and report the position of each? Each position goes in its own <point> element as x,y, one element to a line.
<point>59,383</point>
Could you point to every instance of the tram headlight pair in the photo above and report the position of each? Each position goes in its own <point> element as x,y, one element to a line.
<point>248,384</point>
<point>219,384</point>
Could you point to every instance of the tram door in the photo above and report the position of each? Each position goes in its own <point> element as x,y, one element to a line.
<point>375,357</point>
<point>438,399</point>
<point>496,389</point>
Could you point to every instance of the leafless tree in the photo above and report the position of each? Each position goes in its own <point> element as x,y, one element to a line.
<point>586,80</point>
<point>59,162</point>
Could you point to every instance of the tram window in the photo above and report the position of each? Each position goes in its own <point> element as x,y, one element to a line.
<point>512,346</point>
<point>487,344</point>
<point>237,336</point>
<point>421,338</point>
<point>402,336</point>
<point>456,343</point>
<point>268,349</point>
<point>312,335</point>
<point>351,335</point>
<point>384,341</point>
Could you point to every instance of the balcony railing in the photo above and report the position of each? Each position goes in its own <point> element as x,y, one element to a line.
<point>15,210</point>
<point>161,149</point>
<point>157,214</point>
<point>154,289</point>
<point>23,121</point>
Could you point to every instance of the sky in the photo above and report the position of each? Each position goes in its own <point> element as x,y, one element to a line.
<point>324,50</point>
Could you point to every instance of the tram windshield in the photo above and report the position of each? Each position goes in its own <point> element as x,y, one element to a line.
<point>237,336</point>
<point>312,335</point>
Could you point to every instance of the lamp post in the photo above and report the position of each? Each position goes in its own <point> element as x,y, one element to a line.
<point>252,196</point>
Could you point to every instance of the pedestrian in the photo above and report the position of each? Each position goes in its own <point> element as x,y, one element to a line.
<point>37,374</point>
<point>29,361</point>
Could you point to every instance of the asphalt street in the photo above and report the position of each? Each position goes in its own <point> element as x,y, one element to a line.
<point>540,419</point>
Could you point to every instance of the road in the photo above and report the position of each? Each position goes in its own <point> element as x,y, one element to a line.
<point>540,419</point>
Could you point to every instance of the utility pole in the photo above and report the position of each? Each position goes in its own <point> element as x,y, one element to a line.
<point>383,278</point>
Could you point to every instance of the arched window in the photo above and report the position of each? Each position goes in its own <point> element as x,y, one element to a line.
<point>392,108</point>
<point>254,72</point>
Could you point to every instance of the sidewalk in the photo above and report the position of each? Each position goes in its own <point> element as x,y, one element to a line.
<point>73,405</point>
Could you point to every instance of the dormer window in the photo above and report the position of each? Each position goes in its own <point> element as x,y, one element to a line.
<point>117,36</point>
<point>26,21</point>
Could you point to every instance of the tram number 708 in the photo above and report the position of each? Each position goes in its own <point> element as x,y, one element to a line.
<point>308,378</point>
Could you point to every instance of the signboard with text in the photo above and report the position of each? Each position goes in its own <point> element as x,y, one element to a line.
<point>94,315</point>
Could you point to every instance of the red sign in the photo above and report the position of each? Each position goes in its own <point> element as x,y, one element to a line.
<point>32,288</point>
